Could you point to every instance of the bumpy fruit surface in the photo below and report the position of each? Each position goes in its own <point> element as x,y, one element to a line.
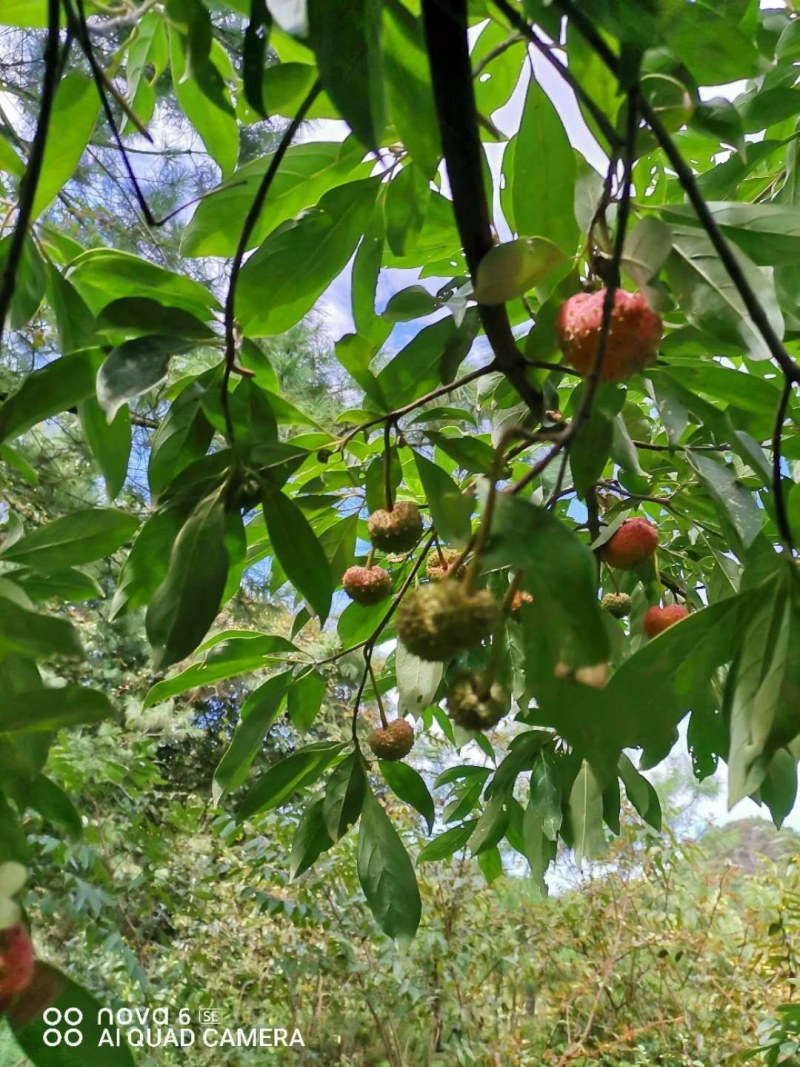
<point>633,543</point>
<point>366,585</point>
<point>658,619</point>
<point>16,960</point>
<point>469,706</point>
<point>633,338</point>
<point>393,742</point>
<point>397,530</point>
<point>619,604</point>
<point>438,621</point>
<point>438,568</point>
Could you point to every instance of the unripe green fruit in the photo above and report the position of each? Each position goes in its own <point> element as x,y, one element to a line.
<point>438,621</point>
<point>392,742</point>
<point>397,530</point>
<point>619,604</point>
<point>468,706</point>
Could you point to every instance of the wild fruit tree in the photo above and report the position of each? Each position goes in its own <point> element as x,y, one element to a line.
<point>564,495</point>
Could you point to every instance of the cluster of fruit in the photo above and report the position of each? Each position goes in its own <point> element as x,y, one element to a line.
<point>445,617</point>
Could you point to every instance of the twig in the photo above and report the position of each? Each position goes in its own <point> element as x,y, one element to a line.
<point>610,134</point>
<point>388,501</point>
<point>247,229</point>
<point>445,25</point>
<point>781,514</point>
<point>33,171</point>
<point>498,50</point>
<point>434,394</point>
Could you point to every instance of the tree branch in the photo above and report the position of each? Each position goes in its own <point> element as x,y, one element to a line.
<point>781,514</point>
<point>445,25</point>
<point>247,229</point>
<point>30,181</point>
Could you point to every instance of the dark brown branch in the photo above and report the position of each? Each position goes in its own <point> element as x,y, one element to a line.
<point>30,181</point>
<point>445,25</point>
<point>244,239</point>
<point>781,514</point>
<point>516,20</point>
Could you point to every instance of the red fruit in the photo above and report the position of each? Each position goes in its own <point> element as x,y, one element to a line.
<point>366,585</point>
<point>16,960</point>
<point>633,543</point>
<point>658,619</point>
<point>633,337</point>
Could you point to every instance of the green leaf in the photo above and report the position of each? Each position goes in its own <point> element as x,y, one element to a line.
<point>229,656</point>
<point>512,269</point>
<point>51,709</point>
<point>311,839</point>
<point>103,275</point>
<point>417,681</point>
<point>492,824</point>
<point>186,603</point>
<point>75,109</point>
<point>450,509</point>
<point>305,700</point>
<point>274,787</point>
<point>298,551</point>
<point>204,100</point>
<point>408,87</point>
<point>416,369</point>
<point>545,795</point>
<point>80,537</point>
<point>779,788</point>
<point>737,505</point>
<point>344,796</point>
<point>709,298</point>
<point>63,585</point>
<point>133,316</point>
<point>134,368</point>
<point>407,784</point>
<point>763,686</point>
<point>301,258</point>
<point>560,575</point>
<point>259,713</point>
<point>307,171</point>
<point>29,282</point>
<point>586,814</point>
<point>447,844</point>
<point>358,622</point>
<point>36,635</point>
<point>640,792</point>
<point>405,206</point>
<point>386,874</point>
<point>146,563</point>
<point>254,55</point>
<point>590,449</point>
<point>48,391</point>
<point>110,442</point>
<point>543,179</point>
<point>346,38</point>
<point>53,804</point>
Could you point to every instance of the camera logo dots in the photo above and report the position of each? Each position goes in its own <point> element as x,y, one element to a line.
<point>63,1028</point>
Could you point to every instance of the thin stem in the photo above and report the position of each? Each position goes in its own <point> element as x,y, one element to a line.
<point>781,514</point>
<point>387,466</point>
<point>378,700</point>
<point>434,394</point>
<point>33,171</point>
<point>247,229</point>
<point>608,131</point>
